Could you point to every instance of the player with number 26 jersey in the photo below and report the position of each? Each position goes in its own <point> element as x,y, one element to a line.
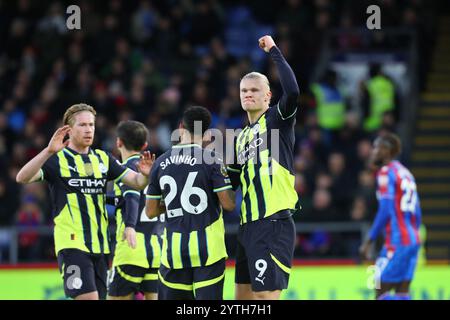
<point>194,216</point>
<point>194,184</point>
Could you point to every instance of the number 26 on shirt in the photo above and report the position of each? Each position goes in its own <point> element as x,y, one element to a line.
<point>185,197</point>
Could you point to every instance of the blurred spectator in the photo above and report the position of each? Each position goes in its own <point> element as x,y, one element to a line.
<point>295,15</point>
<point>363,150</point>
<point>367,191</point>
<point>379,97</point>
<point>315,244</point>
<point>8,202</point>
<point>6,132</point>
<point>342,187</point>
<point>330,106</point>
<point>16,116</point>
<point>359,210</point>
<point>347,40</point>
<point>54,21</point>
<point>144,21</point>
<point>322,208</point>
<point>358,213</point>
<point>29,215</point>
<point>205,24</point>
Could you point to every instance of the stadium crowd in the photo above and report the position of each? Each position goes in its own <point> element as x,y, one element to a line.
<point>148,60</point>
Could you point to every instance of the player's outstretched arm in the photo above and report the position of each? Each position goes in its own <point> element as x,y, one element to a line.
<point>139,180</point>
<point>30,172</point>
<point>288,102</point>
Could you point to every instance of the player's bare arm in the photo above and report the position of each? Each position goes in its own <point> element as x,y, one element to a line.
<point>227,199</point>
<point>153,208</point>
<point>31,171</point>
<point>139,180</point>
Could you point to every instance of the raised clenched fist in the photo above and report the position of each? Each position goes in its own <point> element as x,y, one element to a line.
<point>266,43</point>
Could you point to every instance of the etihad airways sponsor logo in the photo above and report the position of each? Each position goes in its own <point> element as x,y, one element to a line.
<point>87,183</point>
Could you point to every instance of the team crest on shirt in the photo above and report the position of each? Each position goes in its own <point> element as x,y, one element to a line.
<point>102,168</point>
<point>223,170</point>
<point>256,128</point>
<point>88,169</point>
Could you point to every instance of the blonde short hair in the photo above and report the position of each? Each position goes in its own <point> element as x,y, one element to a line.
<point>79,107</point>
<point>257,75</point>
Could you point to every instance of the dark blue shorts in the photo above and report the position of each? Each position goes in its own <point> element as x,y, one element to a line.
<point>126,279</point>
<point>264,253</point>
<point>398,265</point>
<point>83,272</point>
<point>199,283</point>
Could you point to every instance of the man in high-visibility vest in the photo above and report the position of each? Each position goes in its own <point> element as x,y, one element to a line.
<point>379,99</point>
<point>330,104</point>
